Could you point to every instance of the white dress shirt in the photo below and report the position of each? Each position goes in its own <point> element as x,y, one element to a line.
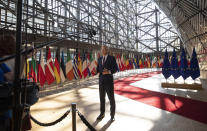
<point>104,59</point>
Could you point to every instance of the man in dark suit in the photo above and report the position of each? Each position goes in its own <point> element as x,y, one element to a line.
<point>106,68</point>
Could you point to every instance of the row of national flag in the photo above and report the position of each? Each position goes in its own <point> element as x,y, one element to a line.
<point>77,68</point>
<point>184,69</point>
<point>138,63</point>
<point>57,71</point>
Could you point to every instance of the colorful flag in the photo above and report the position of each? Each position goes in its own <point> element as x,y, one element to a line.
<point>123,66</point>
<point>184,66</point>
<point>125,61</point>
<point>85,67</point>
<point>158,62</point>
<point>194,66</point>
<point>57,70</point>
<point>121,63</point>
<point>26,73</point>
<point>137,61</point>
<point>151,58</point>
<point>27,69</point>
<point>161,62</point>
<point>91,57</point>
<point>174,65</point>
<point>127,64</point>
<point>88,63</point>
<point>92,67</point>
<point>154,62</point>
<point>50,77</point>
<point>166,66</point>
<point>41,70</point>
<point>33,70</point>
<point>68,56</point>
<point>140,64</point>
<point>69,67</point>
<point>118,63</point>
<point>145,63</point>
<point>62,64</point>
<point>134,63</point>
<point>79,64</point>
<point>96,59</point>
<point>130,64</point>
<point>75,68</point>
<point>148,62</point>
<point>62,67</point>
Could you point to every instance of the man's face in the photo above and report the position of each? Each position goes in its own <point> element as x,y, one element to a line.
<point>103,50</point>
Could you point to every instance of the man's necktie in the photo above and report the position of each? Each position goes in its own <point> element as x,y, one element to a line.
<point>103,60</point>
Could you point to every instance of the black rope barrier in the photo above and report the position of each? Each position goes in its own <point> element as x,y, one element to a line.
<point>85,121</point>
<point>51,123</point>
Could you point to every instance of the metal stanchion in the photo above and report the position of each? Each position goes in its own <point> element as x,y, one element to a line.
<point>73,116</point>
<point>18,108</point>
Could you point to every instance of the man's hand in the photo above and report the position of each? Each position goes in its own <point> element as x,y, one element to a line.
<point>95,71</point>
<point>106,71</point>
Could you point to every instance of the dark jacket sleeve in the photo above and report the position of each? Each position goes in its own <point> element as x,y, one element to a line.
<point>114,66</point>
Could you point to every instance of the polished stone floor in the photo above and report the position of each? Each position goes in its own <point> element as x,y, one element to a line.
<point>130,115</point>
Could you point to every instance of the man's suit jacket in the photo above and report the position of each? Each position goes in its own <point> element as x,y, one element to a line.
<point>110,64</point>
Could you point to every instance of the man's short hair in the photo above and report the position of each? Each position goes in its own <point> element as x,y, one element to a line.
<point>106,47</point>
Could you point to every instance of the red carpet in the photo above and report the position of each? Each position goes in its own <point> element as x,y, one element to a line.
<point>193,109</point>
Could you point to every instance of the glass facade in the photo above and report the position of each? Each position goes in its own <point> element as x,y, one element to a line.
<point>133,25</point>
